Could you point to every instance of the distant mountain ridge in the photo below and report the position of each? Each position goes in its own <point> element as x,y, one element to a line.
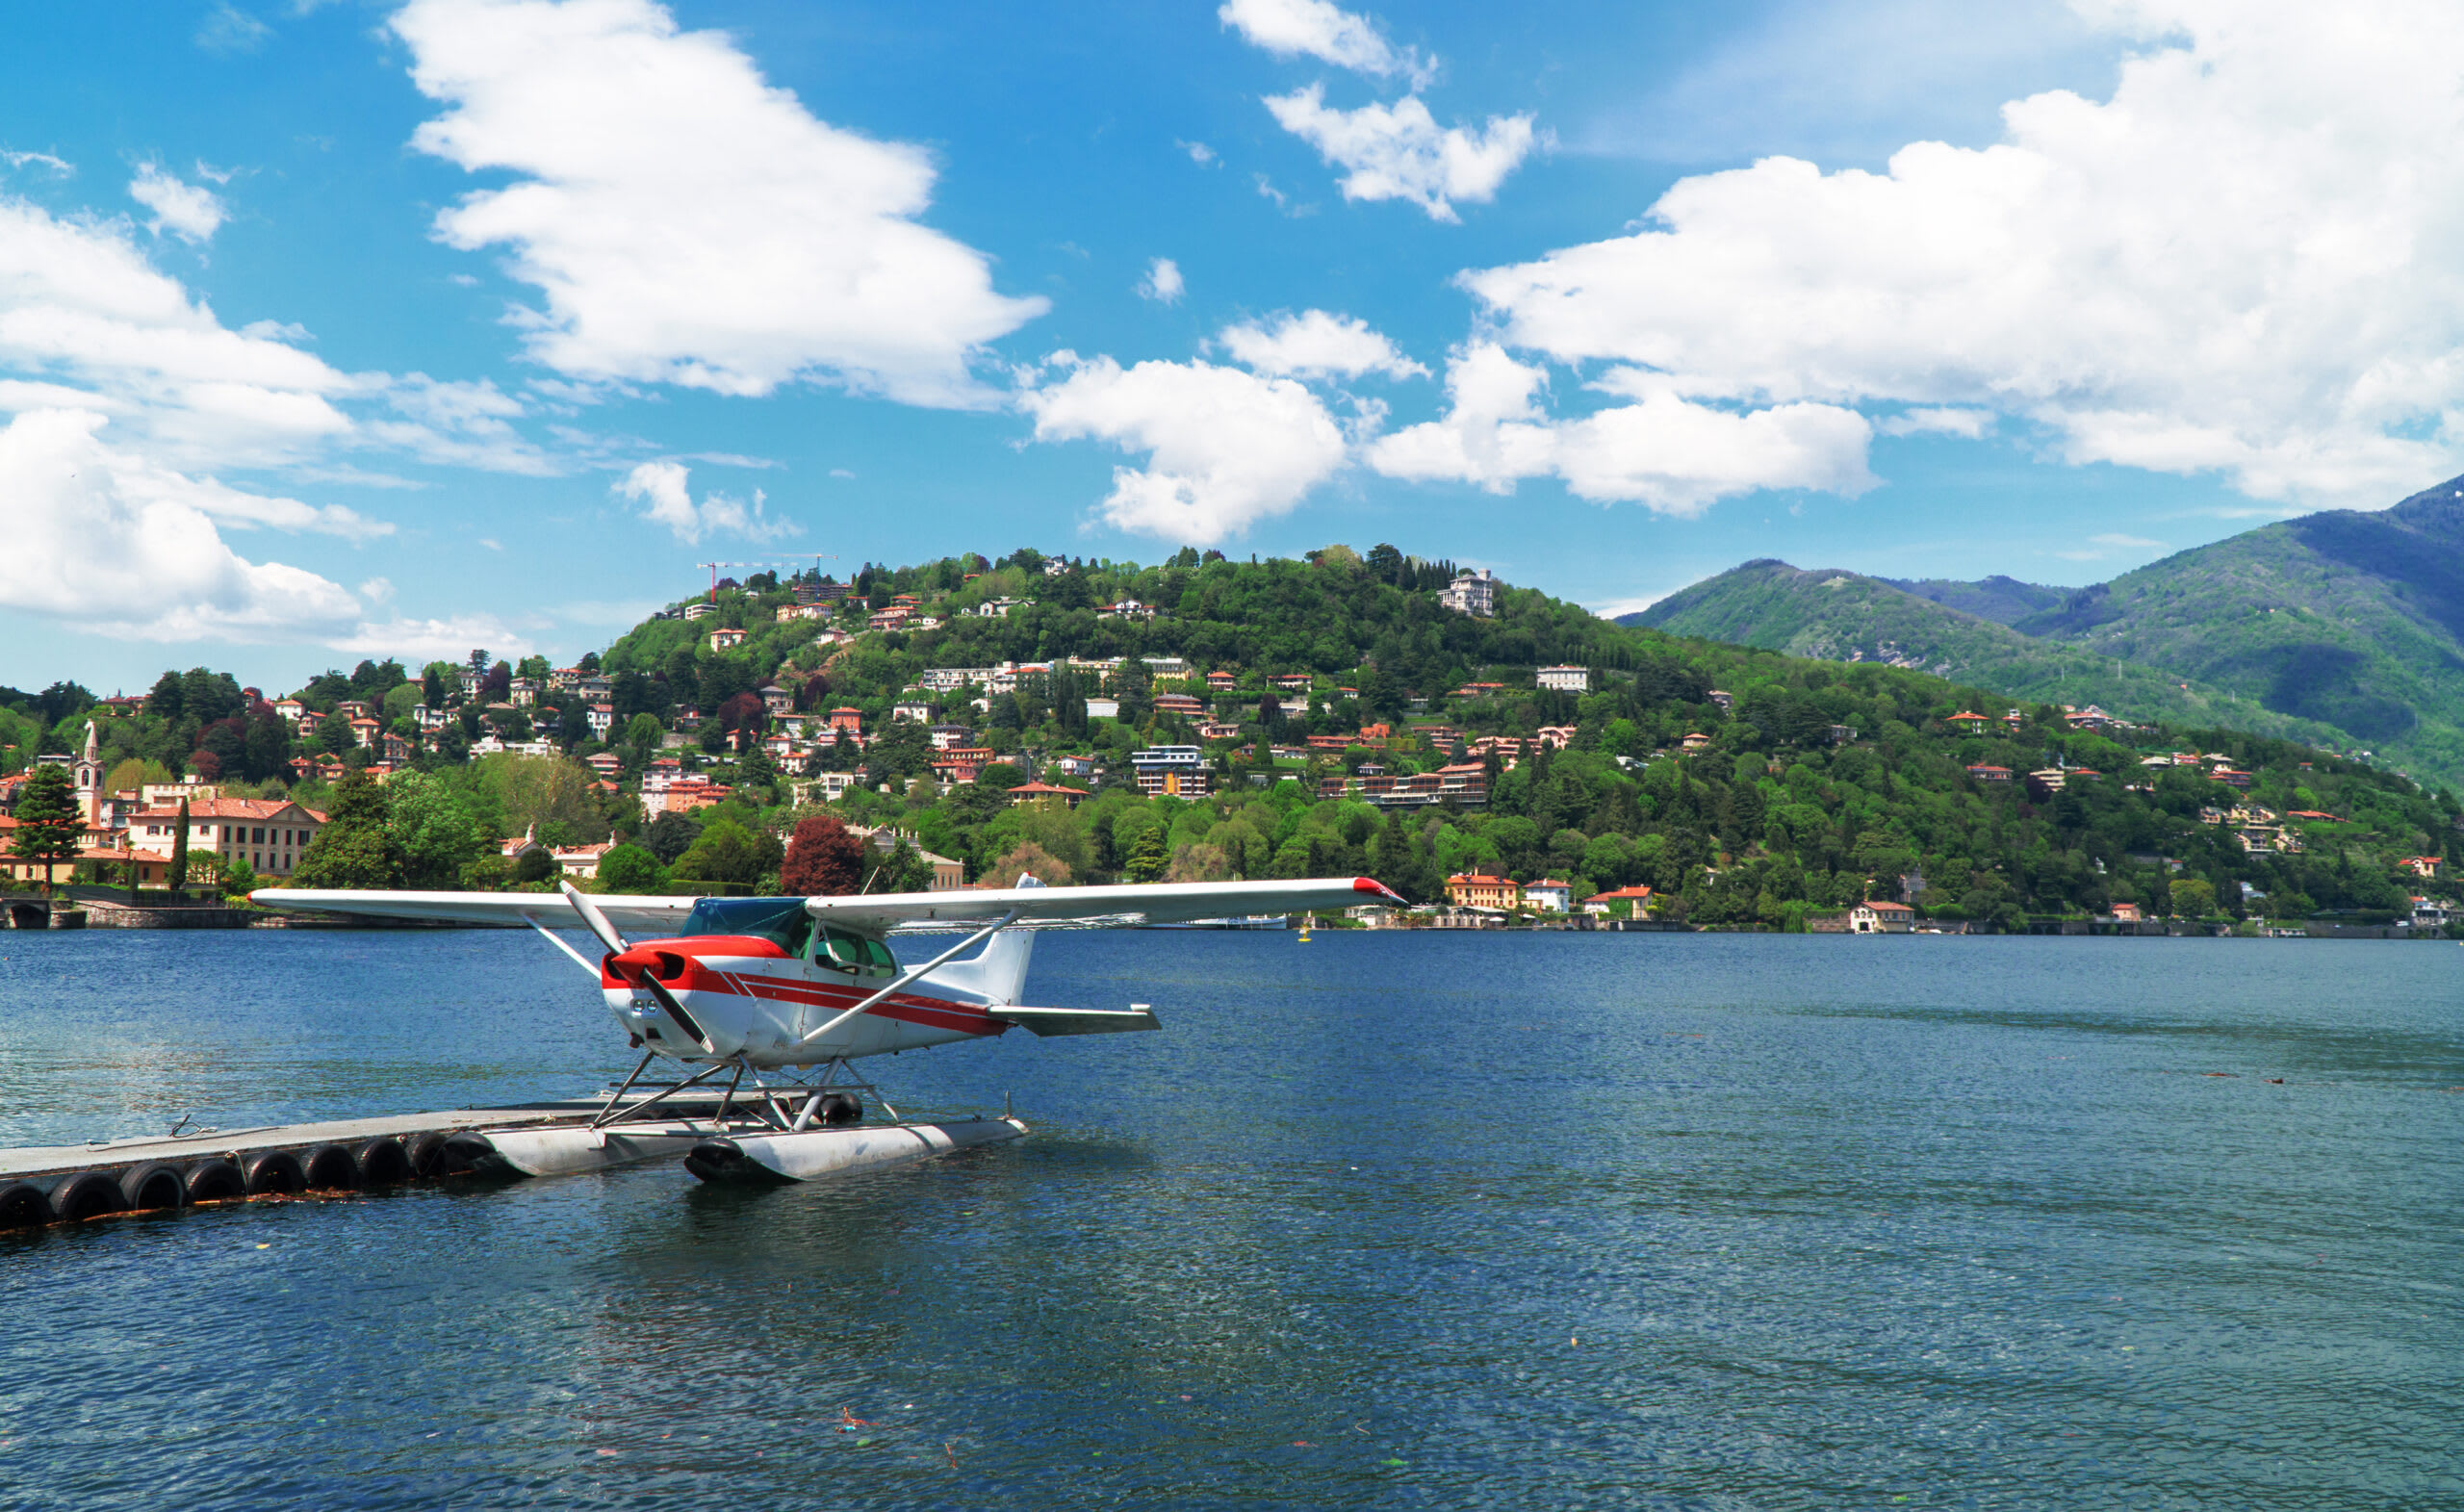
<point>1843,616</point>
<point>2005,600</point>
<point>2345,627</point>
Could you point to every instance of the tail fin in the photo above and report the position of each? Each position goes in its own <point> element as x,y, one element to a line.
<point>998,972</point>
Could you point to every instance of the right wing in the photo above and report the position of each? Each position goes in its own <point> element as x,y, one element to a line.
<point>1155,902</point>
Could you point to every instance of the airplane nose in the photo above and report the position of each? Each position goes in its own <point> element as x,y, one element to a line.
<point>631,964</point>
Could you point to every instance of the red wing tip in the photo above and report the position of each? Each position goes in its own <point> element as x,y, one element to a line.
<point>1374,888</point>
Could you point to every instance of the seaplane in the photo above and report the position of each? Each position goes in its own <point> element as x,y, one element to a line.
<point>788,993</point>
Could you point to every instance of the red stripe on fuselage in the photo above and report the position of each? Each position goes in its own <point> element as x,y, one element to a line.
<point>930,1012</point>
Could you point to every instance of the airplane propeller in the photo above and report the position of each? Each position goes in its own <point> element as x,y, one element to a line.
<point>617,945</point>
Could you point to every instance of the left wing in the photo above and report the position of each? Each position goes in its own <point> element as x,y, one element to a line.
<point>1155,903</point>
<point>634,915</point>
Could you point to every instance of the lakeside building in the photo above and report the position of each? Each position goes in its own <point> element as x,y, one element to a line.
<point>1882,918</point>
<point>270,834</point>
<point>1480,890</point>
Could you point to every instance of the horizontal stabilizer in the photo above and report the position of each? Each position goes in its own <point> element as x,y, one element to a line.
<point>1046,1022</point>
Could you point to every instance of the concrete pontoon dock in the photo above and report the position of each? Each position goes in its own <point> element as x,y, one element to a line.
<point>723,1138</point>
<point>67,1182</point>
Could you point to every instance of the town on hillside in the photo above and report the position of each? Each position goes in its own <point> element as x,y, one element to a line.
<point>1493,754</point>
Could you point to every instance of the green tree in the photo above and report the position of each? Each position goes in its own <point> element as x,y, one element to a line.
<point>50,830</point>
<point>356,848</point>
<point>1149,854</point>
<point>727,852</point>
<point>630,869</point>
<point>239,878</point>
<point>644,732</point>
<point>434,827</point>
<point>2193,898</point>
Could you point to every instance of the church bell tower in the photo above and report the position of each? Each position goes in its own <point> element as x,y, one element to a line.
<point>90,779</point>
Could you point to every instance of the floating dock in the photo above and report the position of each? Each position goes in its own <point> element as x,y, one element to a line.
<point>71,1183</point>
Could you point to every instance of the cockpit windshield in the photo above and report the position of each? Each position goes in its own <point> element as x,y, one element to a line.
<point>782,921</point>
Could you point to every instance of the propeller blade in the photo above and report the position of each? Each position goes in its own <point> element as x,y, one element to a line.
<point>597,921</point>
<point>675,1010</point>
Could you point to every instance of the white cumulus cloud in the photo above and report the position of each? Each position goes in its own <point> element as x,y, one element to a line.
<point>86,320</point>
<point>686,221</point>
<point>1664,450</point>
<point>1968,424</point>
<point>1399,151</point>
<point>1163,282</point>
<point>2239,263</point>
<point>1327,33</point>
<point>661,488</point>
<point>1316,345</point>
<point>1224,447</point>
<point>416,641</point>
<point>189,211</point>
<point>116,546</point>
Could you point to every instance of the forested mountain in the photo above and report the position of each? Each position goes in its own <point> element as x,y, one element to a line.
<point>1843,616</point>
<point>2347,625</point>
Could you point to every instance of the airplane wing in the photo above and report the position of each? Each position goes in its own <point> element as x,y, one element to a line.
<point>637,916</point>
<point>1157,903</point>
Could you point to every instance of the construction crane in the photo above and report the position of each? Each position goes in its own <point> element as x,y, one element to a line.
<point>818,557</point>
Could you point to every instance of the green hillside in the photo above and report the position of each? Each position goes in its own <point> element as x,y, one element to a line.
<point>2345,628</point>
<point>2350,619</point>
<point>1843,616</point>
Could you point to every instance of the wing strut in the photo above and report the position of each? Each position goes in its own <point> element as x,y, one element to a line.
<point>549,935</point>
<point>905,977</point>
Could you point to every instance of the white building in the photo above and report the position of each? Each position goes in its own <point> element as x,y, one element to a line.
<point>1566,679</point>
<point>916,710</point>
<point>1470,593</point>
<point>1179,771</point>
<point>1549,895</point>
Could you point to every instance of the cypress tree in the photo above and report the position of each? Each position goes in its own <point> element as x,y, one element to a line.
<point>179,875</point>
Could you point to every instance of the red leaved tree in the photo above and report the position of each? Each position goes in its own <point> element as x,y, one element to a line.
<point>823,858</point>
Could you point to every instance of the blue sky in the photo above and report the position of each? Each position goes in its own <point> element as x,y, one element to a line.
<point>330,330</point>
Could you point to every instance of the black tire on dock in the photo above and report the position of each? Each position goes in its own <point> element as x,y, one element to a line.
<point>382,1163</point>
<point>216,1181</point>
<point>273,1170</point>
<point>22,1205</point>
<point>329,1167</point>
<point>425,1153</point>
<point>152,1186</point>
<point>88,1194</point>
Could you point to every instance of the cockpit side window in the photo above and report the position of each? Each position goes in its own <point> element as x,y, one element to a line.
<point>845,950</point>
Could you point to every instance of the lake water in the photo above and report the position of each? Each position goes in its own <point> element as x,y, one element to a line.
<point>1376,1221</point>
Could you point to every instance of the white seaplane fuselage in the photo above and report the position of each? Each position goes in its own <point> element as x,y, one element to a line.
<point>753,996</point>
